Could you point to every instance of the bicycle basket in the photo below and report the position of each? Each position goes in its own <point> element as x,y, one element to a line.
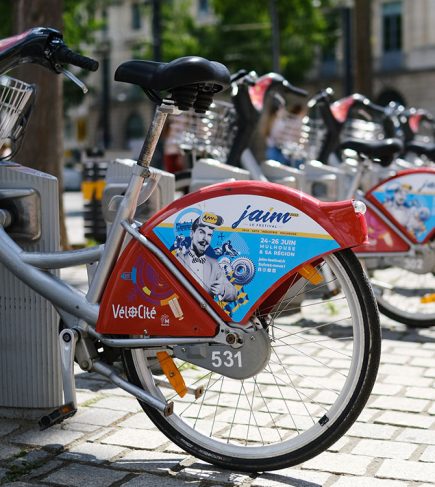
<point>357,128</point>
<point>209,134</point>
<point>15,102</point>
<point>302,138</point>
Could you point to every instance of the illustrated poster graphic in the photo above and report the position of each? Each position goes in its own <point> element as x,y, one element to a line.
<point>238,246</point>
<point>410,199</point>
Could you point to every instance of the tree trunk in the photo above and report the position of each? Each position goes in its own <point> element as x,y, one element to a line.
<point>42,147</point>
<point>363,47</point>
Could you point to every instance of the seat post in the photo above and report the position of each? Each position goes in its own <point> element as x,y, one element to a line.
<point>153,134</point>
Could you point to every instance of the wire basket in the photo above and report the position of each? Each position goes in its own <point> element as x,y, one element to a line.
<point>209,134</point>
<point>15,102</point>
<point>303,138</point>
<point>356,128</point>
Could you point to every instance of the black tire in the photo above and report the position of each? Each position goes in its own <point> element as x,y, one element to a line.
<point>405,320</point>
<point>347,399</point>
<point>400,297</point>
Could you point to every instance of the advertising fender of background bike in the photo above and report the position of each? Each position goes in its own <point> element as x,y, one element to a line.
<point>407,200</point>
<point>236,243</point>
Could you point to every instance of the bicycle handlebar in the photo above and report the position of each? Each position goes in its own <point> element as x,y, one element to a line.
<point>43,46</point>
<point>64,55</point>
<point>323,95</point>
<point>294,89</point>
<point>363,101</point>
<point>240,74</point>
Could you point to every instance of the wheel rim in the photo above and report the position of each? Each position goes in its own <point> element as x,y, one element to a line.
<point>406,295</point>
<point>292,394</point>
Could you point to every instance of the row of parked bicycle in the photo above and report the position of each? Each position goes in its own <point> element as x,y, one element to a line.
<point>247,327</point>
<point>345,148</point>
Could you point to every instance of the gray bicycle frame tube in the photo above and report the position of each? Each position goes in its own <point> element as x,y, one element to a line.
<point>45,284</point>
<point>128,205</point>
<point>27,267</point>
<point>59,260</point>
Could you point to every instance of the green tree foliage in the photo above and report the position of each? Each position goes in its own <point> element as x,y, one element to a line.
<point>5,16</point>
<point>180,36</point>
<point>82,19</point>
<point>243,36</point>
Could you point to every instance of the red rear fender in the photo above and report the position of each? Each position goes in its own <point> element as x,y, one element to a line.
<point>237,243</point>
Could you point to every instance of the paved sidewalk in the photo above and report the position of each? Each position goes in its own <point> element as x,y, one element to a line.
<point>110,442</point>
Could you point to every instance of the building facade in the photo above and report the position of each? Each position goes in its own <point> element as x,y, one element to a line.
<point>403,49</point>
<point>115,115</point>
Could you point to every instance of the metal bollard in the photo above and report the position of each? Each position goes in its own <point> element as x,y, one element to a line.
<point>30,375</point>
<point>117,177</point>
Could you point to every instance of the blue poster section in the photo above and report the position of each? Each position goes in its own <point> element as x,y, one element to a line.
<point>414,211</point>
<point>238,267</point>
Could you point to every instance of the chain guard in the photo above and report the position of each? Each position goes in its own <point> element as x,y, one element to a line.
<point>237,363</point>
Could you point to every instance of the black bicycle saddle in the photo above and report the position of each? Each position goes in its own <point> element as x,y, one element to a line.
<point>381,151</point>
<point>422,149</point>
<point>192,80</point>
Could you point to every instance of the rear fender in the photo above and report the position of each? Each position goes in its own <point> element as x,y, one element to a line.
<point>408,200</point>
<point>259,235</point>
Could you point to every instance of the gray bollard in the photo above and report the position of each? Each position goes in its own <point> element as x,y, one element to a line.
<point>30,374</point>
<point>117,177</point>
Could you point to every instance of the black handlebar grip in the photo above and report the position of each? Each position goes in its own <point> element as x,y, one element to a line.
<point>294,89</point>
<point>64,55</point>
<point>239,75</point>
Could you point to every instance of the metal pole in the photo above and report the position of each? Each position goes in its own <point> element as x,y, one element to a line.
<point>157,31</point>
<point>275,36</point>
<point>363,47</point>
<point>105,73</point>
<point>346,16</point>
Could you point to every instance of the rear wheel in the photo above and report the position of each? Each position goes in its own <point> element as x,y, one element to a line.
<point>322,367</point>
<point>405,296</point>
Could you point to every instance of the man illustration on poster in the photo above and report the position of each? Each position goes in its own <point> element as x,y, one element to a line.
<point>205,268</point>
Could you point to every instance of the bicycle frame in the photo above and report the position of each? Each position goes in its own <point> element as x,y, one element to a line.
<point>80,314</point>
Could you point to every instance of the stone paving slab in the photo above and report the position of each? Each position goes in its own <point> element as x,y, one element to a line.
<point>108,446</point>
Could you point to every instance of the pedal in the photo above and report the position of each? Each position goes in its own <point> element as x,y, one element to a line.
<point>57,416</point>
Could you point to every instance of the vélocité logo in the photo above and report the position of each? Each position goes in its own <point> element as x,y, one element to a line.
<point>129,312</point>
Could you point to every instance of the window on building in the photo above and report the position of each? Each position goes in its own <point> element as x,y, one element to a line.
<point>392,26</point>
<point>203,7</point>
<point>136,21</point>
